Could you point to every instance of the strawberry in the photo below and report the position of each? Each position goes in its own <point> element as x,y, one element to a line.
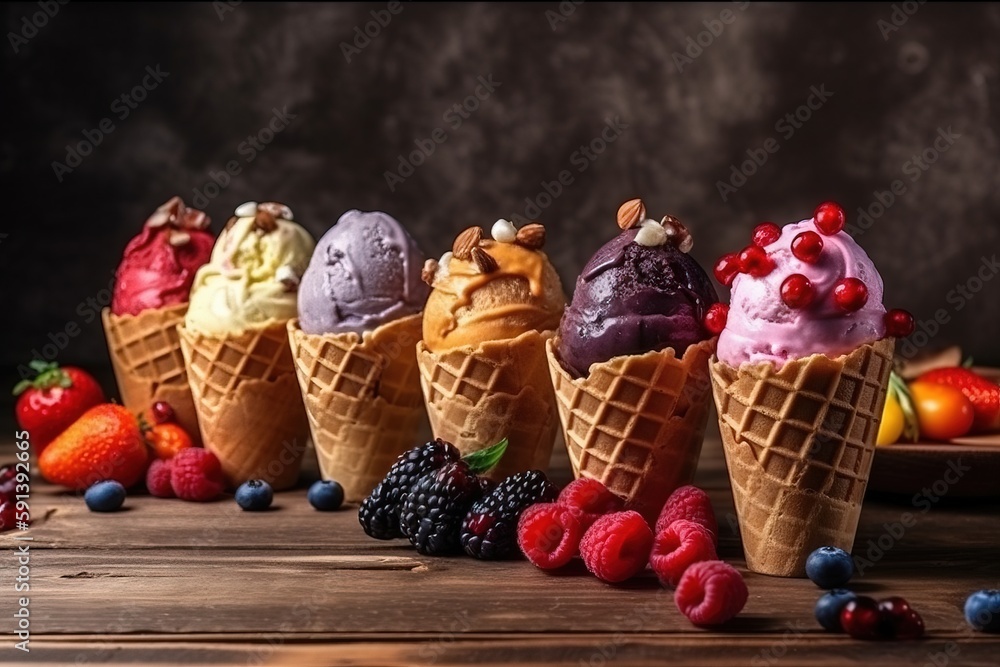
<point>53,400</point>
<point>984,395</point>
<point>105,443</point>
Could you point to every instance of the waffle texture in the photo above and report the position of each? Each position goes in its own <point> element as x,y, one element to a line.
<point>249,406</point>
<point>799,444</point>
<point>477,396</point>
<point>363,399</point>
<point>636,422</point>
<point>148,363</point>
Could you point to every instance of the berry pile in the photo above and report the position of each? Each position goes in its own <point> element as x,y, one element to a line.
<point>436,499</point>
<point>863,617</point>
<point>615,544</point>
<point>194,474</point>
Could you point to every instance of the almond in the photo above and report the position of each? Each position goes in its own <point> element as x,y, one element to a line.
<point>178,239</point>
<point>466,241</point>
<point>265,221</point>
<point>631,213</point>
<point>531,236</point>
<point>429,271</point>
<point>279,211</point>
<point>484,261</point>
<point>677,233</point>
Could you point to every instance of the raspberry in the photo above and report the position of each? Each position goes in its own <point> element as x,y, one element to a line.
<point>158,478</point>
<point>196,474</point>
<point>549,534</point>
<point>691,503</point>
<point>677,547</point>
<point>489,531</point>
<point>432,513</point>
<point>379,513</point>
<point>591,498</point>
<point>710,593</point>
<point>617,546</point>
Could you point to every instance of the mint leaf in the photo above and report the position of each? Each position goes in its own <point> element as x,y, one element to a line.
<point>485,459</point>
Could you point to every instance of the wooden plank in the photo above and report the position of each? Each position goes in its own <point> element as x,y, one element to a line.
<point>179,582</point>
<point>296,591</point>
<point>315,650</point>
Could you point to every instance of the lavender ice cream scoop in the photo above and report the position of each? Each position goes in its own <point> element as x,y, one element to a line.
<point>365,272</point>
<point>635,297</point>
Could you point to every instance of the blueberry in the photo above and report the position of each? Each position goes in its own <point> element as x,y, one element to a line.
<point>106,496</point>
<point>829,567</point>
<point>326,496</point>
<point>829,606</point>
<point>982,610</point>
<point>254,496</point>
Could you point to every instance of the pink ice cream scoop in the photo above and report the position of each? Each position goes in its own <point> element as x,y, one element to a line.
<point>807,293</point>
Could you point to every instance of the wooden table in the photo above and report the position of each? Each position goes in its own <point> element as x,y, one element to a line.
<point>172,582</point>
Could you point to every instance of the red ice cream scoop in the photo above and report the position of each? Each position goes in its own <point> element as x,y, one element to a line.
<point>159,264</point>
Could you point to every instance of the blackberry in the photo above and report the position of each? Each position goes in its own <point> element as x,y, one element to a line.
<point>433,511</point>
<point>489,531</point>
<point>379,513</point>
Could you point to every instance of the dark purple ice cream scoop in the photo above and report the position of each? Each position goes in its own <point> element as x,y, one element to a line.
<point>631,299</point>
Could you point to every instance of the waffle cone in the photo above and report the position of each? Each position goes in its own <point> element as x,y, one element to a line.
<point>501,389</point>
<point>799,444</point>
<point>148,363</point>
<point>636,422</point>
<point>249,407</point>
<point>363,399</point>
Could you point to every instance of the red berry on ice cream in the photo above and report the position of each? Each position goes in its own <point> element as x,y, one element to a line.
<point>162,412</point>
<point>850,294</point>
<point>726,268</point>
<point>715,318</point>
<point>797,291</point>
<point>807,246</point>
<point>829,218</point>
<point>754,261</point>
<point>898,323</point>
<point>765,234</point>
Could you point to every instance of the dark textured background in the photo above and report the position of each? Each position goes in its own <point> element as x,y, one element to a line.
<point>686,126</point>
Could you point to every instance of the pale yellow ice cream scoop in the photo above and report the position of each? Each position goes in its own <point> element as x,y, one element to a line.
<point>491,289</point>
<point>252,277</point>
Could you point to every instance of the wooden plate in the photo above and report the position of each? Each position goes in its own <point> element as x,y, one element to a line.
<point>967,467</point>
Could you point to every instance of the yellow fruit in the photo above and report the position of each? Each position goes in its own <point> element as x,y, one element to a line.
<point>891,426</point>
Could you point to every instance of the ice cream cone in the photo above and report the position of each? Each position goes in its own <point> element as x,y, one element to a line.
<point>363,399</point>
<point>799,444</point>
<point>501,389</point>
<point>249,407</point>
<point>148,363</point>
<point>636,422</point>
